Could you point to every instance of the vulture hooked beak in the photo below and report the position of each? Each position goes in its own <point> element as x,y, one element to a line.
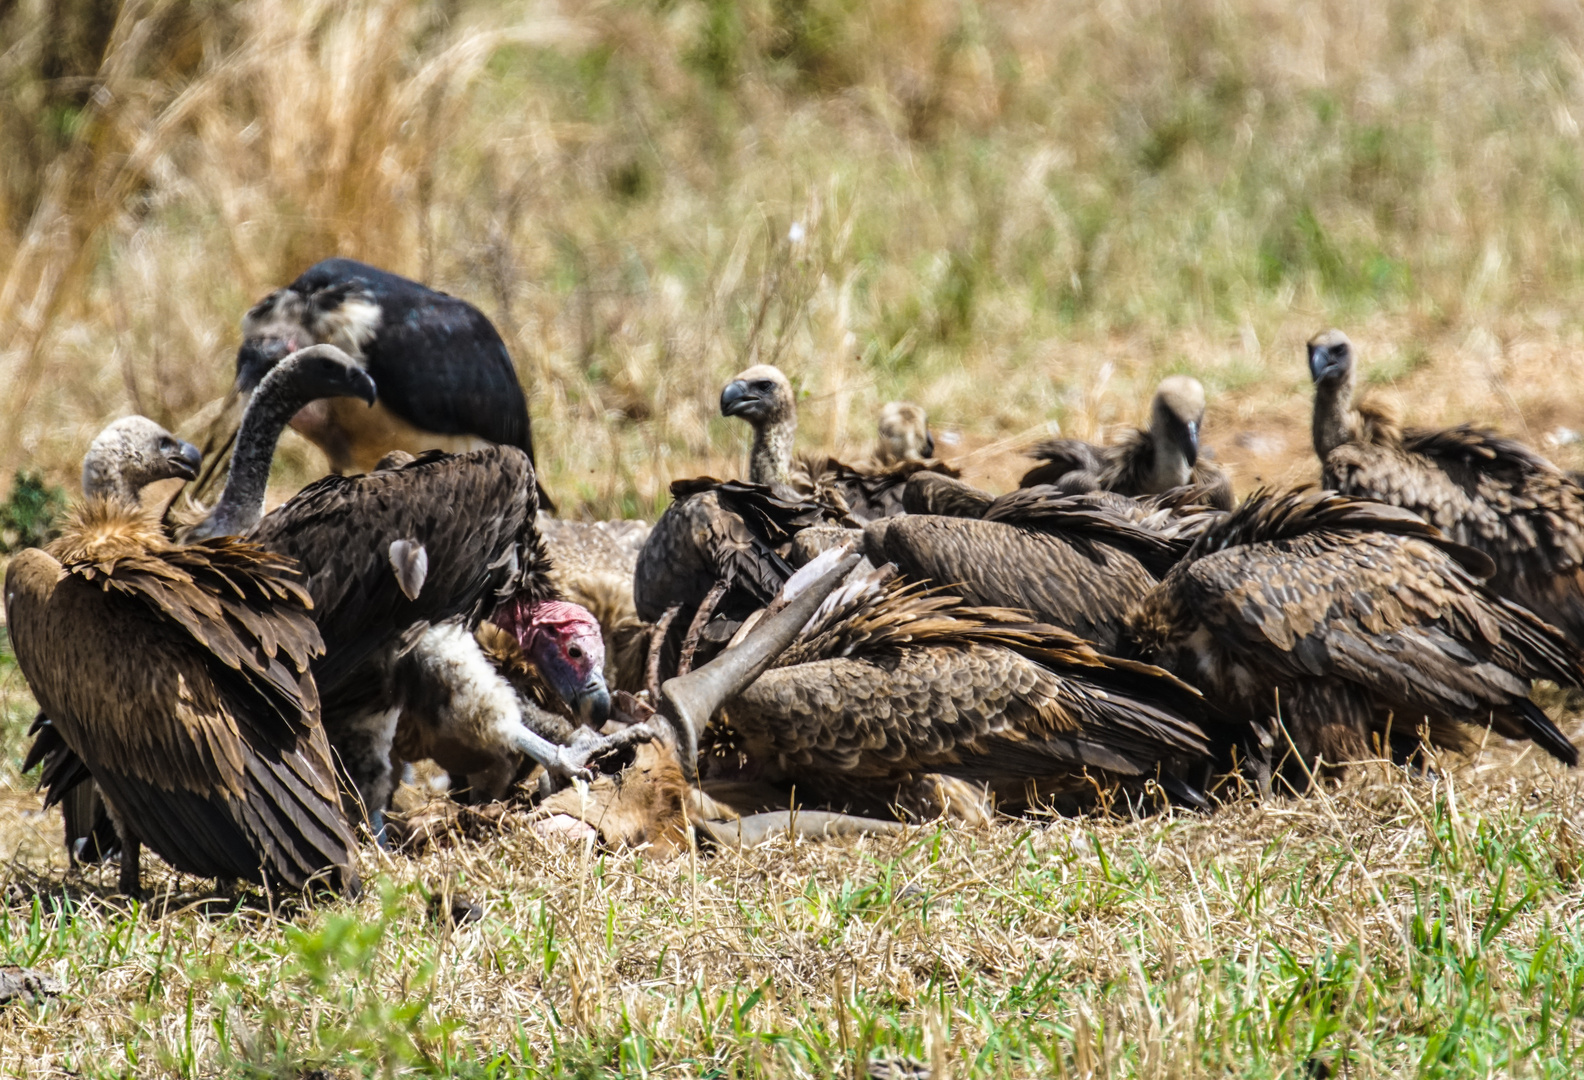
<point>693,698</point>
<point>738,398</point>
<point>184,459</point>
<point>1188,437</point>
<point>592,702</point>
<point>1328,361</point>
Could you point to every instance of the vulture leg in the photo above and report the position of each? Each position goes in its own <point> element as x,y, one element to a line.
<point>657,638</point>
<point>695,630</point>
<point>130,881</point>
<point>587,745</point>
<point>365,743</point>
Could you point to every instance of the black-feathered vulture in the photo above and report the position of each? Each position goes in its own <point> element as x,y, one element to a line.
<point>1147,461</point>
<point>178,677</point>
<point>1358,625</point>
<point>1479,488</point>
<point>445,379</point>
<point>409,559</point>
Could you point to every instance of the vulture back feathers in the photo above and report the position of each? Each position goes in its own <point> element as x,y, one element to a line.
<point>1352,621</point>
<point>179,676</point>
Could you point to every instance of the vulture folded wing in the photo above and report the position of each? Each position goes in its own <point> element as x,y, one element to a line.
<point>461,508</point>
<point>1075,583</point>
<point>199,725</point>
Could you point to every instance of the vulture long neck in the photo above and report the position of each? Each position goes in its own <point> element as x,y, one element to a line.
<point>770,459</point>
<point>103,478</point>
<point>1336,421</point>
<point>275,401</point>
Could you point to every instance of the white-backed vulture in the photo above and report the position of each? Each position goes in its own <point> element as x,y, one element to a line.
<point>446,381</point>
<point>178,676</point>
<point>389,555</point>
<point>890,681</point>
<point>904,434</point>
<point>1479,488</point>
<point>1146,461</point>
<point>1358,625</point>
<point>763,398</point>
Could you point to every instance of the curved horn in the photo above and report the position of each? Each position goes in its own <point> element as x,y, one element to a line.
<point>694,697</point>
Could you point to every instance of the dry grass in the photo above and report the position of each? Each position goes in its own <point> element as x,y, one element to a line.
<point>1014,213</point>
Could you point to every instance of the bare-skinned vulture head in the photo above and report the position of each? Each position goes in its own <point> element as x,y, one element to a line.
<point>132,453</point>
<point>564,643</point>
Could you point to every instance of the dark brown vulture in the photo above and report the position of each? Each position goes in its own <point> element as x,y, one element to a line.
<point>719,553</point>
<point>889,681</point>
<point>178,678</point>
<point>1480,489</point>
<point>395,554</point>
<point>1145,462</point>
<point>932,493</point>
<point>446,381</point>
<point>1072,561</point>
<point>763,398</point>
<point>1357,624</point>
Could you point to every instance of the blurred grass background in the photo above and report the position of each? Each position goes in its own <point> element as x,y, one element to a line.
<point>1014,213</point>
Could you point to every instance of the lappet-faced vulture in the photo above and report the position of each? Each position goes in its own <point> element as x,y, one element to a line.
<point>177,677</point>
<point>1145,462</point>
<point>1477,487</point>
<point>1358,626</point>
<point>394,554</point>
<point>445,379</point>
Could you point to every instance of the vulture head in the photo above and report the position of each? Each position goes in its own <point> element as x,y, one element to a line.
<point>904,433</point>
<point>1176,414</point>
<point>1330,358</point>
<point>288,320</point>
<point>563,642</point>
<point>132,453</point>
<point>763,397</point>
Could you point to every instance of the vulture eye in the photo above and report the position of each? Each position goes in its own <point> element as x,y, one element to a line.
<point>575,652</point>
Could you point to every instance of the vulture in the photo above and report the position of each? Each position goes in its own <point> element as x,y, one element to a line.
<point>763,398</point>
<point>889,680</point>
<point>1479,488</point>
<point>719,552</point>
<point>1145,462</point>
<point>178,678</point>
<point>904,434</point>
<point>445,378</point>
<point>1355,625</point>
<point>1073,561</point>
<point>393,557</point>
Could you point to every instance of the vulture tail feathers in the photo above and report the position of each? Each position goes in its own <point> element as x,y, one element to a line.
<point>1539,727</point>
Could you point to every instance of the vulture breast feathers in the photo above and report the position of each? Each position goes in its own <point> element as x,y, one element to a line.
<point>179,676</point>
<point>727,533</point>
<point>890,679</point>
<point>1349,616</point>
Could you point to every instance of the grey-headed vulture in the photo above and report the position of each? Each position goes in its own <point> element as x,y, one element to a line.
<point>1145,462</point>
<point>446,381</point>
<point>1356,624</point>
<point>763,398</point>
<point>1479,488</point>
<point>178,677</point>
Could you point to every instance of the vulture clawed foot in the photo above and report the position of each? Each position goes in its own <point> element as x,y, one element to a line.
<point>589,748</point>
